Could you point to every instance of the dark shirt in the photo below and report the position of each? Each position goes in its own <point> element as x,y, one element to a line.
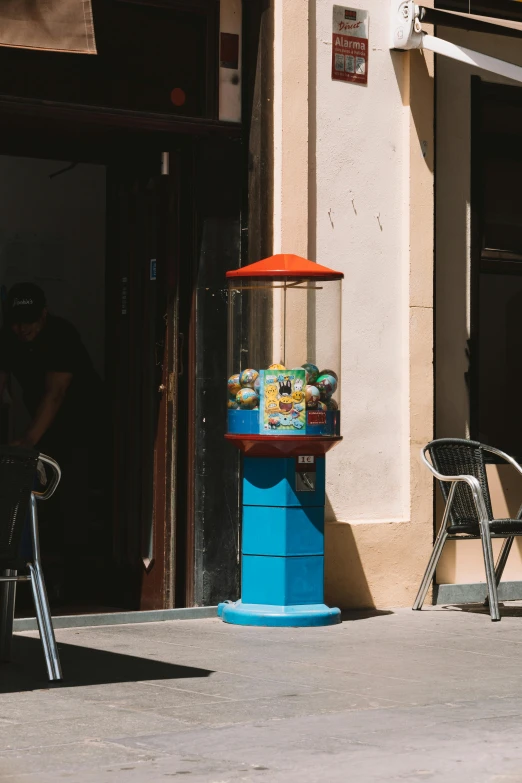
<point>57,348</point>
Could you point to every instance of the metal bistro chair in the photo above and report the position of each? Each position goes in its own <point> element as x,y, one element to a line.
<point>17,478</point>
<point>460,468</point>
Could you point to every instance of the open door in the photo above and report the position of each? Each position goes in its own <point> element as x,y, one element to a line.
<point>142,334</point>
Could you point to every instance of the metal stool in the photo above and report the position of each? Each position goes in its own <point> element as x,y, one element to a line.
<point>17,479</point>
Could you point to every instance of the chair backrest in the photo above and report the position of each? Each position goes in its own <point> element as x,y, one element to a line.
<point>17,476</point>
<point>456,457</point>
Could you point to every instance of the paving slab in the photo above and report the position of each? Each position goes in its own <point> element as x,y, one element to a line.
<point>386,696</point>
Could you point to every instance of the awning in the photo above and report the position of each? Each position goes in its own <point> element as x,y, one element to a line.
<point>407,33</point>
<point>56,25</point>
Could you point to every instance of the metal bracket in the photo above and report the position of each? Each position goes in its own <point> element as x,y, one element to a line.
<point>406,28</point>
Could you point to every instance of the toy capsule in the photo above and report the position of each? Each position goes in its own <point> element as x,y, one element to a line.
<point>313,396</point>
<point>247,399</point>
<point>327,385</point>
<point>330,372</point>
<point>248,378</point>
<point>234,385</point>
<point>312,372</point>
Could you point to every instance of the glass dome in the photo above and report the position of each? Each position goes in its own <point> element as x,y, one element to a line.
<point>284,351</point>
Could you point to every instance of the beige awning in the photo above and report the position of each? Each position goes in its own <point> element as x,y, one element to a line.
<point>56,25</point>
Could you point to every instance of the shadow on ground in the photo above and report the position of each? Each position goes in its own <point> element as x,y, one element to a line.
<point>348,615</point>
<point>83,666</point>
<point>505,610</point>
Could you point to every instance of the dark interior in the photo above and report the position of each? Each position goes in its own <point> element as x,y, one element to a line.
<point>153,537</point>
<point>115,213</point>
<point>145,51</point>
<point>497,267</point>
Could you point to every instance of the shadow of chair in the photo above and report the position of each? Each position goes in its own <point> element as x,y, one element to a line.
<point>85,666</point>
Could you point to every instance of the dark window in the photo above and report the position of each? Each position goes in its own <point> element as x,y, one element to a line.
<point>151,57</point>
<point>496,203</point>
<point>502,9</point>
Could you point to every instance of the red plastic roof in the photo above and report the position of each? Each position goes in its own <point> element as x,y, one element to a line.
<point>286,265</point>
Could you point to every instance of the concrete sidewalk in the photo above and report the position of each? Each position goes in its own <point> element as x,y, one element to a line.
<point>400,696</point>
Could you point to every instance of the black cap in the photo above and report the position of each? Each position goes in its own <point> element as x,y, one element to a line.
<point>24,304</point>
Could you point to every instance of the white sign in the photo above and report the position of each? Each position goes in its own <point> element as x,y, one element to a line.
<point>350,45</point>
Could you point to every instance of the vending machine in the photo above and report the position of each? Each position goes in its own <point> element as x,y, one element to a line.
<point>284,414</point>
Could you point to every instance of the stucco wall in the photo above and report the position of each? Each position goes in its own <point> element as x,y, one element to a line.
<point>462,562</point>
<point>361,147</point>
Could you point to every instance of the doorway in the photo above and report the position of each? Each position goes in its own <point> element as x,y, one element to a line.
<point>100,237</point>
<point>478,291</point>
<point>496,267</point>
<point>143,117</point>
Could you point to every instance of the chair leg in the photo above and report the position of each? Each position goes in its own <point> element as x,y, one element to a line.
<point>503,558</point>
<point>7,607</point>
<point>501,562</point>
<point>430,570</point>
<point>489,565</point>
<point>43,613</point>
<point>437,551</point>
<point>45,626</point>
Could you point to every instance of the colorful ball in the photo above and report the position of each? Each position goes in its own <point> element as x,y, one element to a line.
<point>313,396</point>
<point>330,372</point>
<point>234,385</point>
<point>327,385</point>
<point>277,367</point>
<point>248,378</point>
<point>332,404</point>
<point>312,372</point>
<point>257,385</point>
<point>247,399</point>
<point>232,404</point>
<point>322,406</point>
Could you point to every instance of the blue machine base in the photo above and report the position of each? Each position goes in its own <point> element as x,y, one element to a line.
<point>307,615</point>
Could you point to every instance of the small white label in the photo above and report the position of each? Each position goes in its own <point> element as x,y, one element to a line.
<point>152,268</point>
<point>306,460</point>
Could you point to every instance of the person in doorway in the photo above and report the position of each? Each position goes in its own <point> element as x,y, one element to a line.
<point>64,397</point>
<point>46,355</point>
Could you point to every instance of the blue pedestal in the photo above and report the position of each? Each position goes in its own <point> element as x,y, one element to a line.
<point>282,547</point>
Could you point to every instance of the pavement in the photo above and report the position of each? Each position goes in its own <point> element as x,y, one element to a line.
<point>386,696</point>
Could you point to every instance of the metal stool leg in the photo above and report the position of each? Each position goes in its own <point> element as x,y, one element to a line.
<point>7,607</point>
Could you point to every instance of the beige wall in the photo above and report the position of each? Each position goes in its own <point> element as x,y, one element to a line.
<point>353,189</point>
<point>462,562</point>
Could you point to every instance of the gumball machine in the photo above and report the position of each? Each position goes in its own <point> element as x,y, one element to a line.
<point>284,414</point>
